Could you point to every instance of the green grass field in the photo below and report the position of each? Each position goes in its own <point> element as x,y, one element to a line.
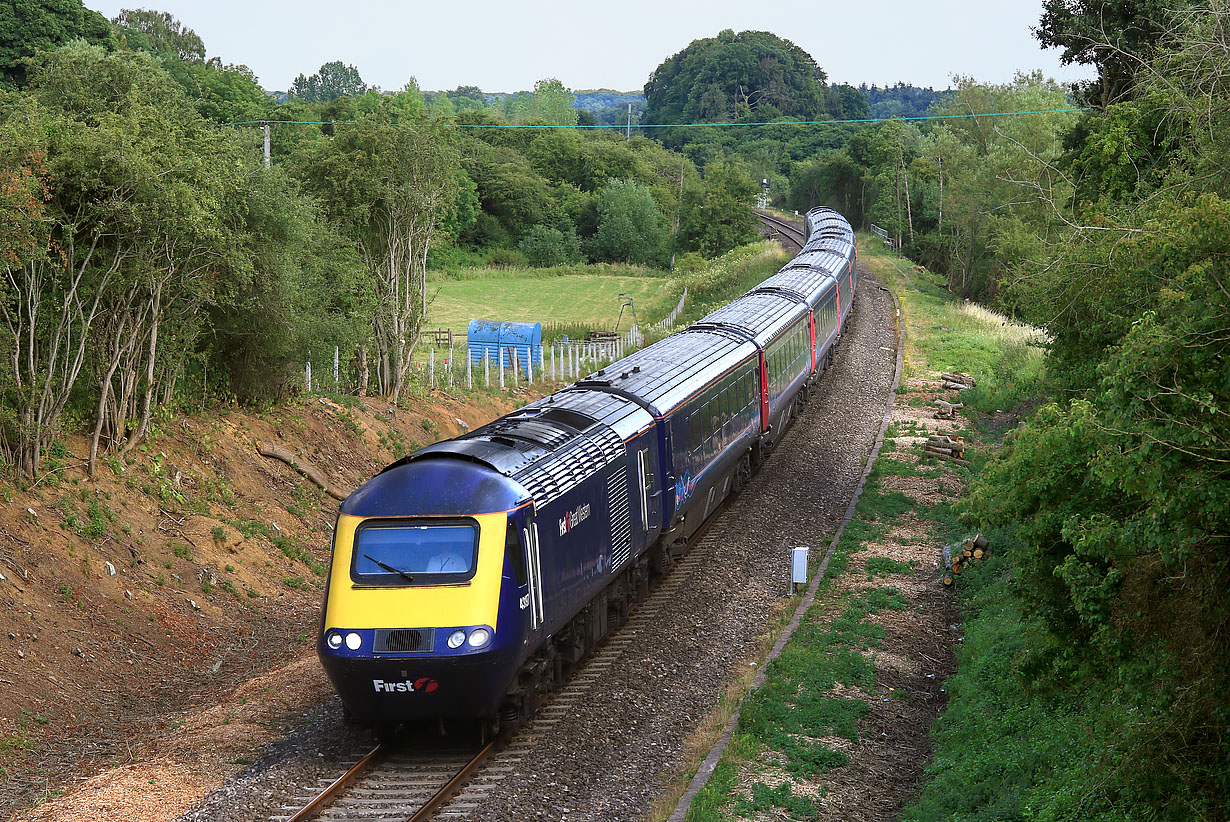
<point>575,299</point>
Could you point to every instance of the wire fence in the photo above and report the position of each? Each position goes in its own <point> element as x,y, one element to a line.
<point>506,368</point>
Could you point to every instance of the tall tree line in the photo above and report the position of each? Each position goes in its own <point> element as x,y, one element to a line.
<point>150,258</point>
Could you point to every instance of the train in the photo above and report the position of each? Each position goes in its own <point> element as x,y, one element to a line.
<point>470,576</point>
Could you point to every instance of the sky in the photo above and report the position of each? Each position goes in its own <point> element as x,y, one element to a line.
<point>507,45</point>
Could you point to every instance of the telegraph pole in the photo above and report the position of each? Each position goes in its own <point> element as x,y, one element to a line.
<point>628,134</point>
<point>265,124</point>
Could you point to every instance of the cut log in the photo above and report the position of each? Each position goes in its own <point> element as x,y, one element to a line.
<point>948,580</point>
<point>279,452</point>
<point>956,386</point>
<point>959,377</point>
<point>981,541</point>
<point>978,553</point>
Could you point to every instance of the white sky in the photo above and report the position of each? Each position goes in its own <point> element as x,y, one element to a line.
<point>505,45</point>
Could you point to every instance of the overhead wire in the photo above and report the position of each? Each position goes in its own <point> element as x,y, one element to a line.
<point>917,118</point>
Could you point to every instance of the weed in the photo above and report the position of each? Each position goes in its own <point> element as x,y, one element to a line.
<point>180,549</point>
<point>294,582</point>
<point>350,422</point>
<point>883,567</point>
<point>218,533</point>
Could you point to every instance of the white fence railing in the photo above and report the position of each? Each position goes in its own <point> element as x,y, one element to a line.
<point>885,236</point>
<point>508,369</point>
<point>669,322</point>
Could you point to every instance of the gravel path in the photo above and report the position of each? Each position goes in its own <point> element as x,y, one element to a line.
<point>613,756</point>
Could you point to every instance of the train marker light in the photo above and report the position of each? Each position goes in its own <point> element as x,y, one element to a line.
<point>334,640</point>
<point>479,637</point>
<point>353,641</point>
<point>456,638</point>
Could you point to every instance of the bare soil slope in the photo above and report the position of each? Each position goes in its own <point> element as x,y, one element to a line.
<point>174,576</point>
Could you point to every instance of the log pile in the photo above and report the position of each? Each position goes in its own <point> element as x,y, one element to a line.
<point>947,410</point>
<point>971,549</point>
<point>945,447</point>
<point>956,381</point>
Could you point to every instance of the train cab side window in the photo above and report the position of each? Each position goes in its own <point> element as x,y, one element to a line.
<point>516,555</point>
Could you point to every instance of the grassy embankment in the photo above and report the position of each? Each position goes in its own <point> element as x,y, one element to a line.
<point>572,300</point>
<point>804,722</point>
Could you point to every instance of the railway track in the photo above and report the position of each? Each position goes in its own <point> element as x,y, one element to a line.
<point>390,782</point>
<point>791,234</point>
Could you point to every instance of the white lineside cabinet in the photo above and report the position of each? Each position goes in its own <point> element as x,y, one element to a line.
<point>798,566</point>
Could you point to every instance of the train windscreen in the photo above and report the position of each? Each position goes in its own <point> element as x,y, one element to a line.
<point>420,554</point>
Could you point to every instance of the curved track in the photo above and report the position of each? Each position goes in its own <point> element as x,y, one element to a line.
<point>791,235</point>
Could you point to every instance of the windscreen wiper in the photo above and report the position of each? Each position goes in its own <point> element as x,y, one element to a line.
<point>389,568</point>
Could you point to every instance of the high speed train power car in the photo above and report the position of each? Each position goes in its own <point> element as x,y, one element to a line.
<point>467,577</point>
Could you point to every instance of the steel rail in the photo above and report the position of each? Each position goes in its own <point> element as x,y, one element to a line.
<point>336,786</point>
<point>794,233</point>
<point>453,785</point>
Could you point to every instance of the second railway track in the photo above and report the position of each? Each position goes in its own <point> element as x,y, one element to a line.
<point>789,234</point>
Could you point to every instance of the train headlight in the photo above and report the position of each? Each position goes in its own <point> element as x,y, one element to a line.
<point>334,640</point>
<point>479,637</point>
<point>353,641</point>
<point>456,638</point>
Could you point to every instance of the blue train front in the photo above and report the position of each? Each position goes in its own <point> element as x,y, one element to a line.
<point>426,613</point>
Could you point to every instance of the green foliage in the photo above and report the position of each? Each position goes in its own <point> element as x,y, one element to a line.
<point>545,246</point>
<point>883,567</point>
<point>1121,496</point>
<point>28,27</point>
<point>630,226</point>
<point>1117,38</point>
<point>552,104</point>
<point>333,80</point>
<point>732,76</point>
<point>719,217</point>
<point>159,33</point>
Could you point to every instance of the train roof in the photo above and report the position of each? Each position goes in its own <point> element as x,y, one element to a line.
<point>762,316</point>
<point>802,282</point>
<point>541,452</point>
<point>438,487</point>
<point>827,260</point>
<point>664,375</point>
<point>624,416</point>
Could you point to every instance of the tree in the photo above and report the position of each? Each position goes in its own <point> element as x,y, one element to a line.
<point>298,290</point>
<point>719,217</point>
<point>1116,37</point>
<point>390,187</point>
<point>552,104</point>
<point>731,76</point>
<point>333,80</point>
<point>30,26</point>
<point>630,226</point>
<point>159,33</point>
<point>546,246</point>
